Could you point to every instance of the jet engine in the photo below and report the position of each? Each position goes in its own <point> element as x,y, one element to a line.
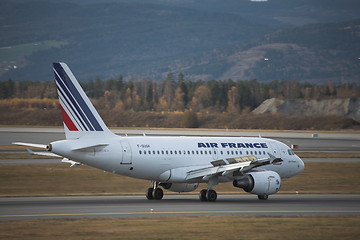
<point>180,187</point>
<point>260,183</point>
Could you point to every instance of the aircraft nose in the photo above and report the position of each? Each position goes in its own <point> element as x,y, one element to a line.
<point>301,165</point>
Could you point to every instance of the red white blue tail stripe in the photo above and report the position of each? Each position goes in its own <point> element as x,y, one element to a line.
<point>77,111</point>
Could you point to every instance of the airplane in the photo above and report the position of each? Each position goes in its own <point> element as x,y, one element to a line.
<point>176,163</point>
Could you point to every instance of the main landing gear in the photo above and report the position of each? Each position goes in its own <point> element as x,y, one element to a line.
<point>208,195</point>
<point>263,197</point>
<point>154,192</point>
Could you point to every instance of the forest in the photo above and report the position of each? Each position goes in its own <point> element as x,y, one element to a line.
<point>176,93</point>
<point>176,102</point>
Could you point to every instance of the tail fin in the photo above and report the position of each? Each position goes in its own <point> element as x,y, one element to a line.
<point>79,115</point>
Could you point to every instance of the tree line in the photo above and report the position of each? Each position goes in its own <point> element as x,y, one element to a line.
<point>176,93</point>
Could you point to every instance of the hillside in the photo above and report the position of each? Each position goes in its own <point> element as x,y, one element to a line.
<point>109,39</point>
<point>315,53</point>
<point>300,107</point>
<point>221,40</point>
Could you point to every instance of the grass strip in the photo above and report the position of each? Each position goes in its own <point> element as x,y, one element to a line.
<point>59,179</point>
<point>198,227</point>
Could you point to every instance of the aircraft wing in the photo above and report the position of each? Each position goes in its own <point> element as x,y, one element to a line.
<point>220,168</point>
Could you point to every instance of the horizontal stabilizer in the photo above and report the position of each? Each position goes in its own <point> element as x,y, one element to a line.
<point>49,154</point>
<point>30,145</point>
<point>72,163</point>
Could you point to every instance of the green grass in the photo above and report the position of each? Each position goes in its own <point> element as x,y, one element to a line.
<point>59,179</point>
<point>198,227</point>
<point>13,53</point>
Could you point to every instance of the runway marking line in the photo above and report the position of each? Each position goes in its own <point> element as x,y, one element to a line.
<point>159,213</point>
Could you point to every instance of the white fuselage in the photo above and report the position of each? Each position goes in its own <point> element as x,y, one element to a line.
<point>148,157</point>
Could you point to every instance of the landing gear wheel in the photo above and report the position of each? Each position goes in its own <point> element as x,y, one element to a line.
<point>202,195</point>
<point>263,197</point>
<point>149,194</point>
<point>211,195</point>
<point>158,194</point>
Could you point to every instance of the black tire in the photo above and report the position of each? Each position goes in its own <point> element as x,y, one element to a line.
<point>149,194</point>
<point>211,196</point>
<point>158,194</point>
<point>202,195</point>
<point>263,197</point>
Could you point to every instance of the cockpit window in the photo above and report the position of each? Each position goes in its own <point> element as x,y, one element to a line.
<point>291,152</point>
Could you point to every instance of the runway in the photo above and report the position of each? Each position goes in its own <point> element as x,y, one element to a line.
<point>178,205</point>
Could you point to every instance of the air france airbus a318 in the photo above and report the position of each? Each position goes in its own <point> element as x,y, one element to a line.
<point>178,164</point>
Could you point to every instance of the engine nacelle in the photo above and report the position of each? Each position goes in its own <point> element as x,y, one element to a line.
<point>180,187</point>
<point>259,183</point>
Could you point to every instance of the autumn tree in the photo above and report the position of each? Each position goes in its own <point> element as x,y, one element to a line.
<point>233,100</point>
<point>201,99</point>
<point>168,91</point>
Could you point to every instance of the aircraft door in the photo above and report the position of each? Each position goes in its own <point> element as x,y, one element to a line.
<point>126,153</point>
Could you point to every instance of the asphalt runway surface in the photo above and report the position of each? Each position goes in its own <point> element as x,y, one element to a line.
<point>327,141</point>
<point>178,205</point>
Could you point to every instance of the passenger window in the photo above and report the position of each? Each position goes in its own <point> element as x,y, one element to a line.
<point>255,152</point>
<point>153,152</point>
<point>144,152</point>
<point>251,152</point>
<point>170,152</point>
<point>264,152</point>
<point>158,152</point>
<point>140,151</point>
<point>179,152</point>
<point>205,152</point>
<point>197,152</point>
<point>193,152</point>
<point>247,152</point>
<point>201,152</point>
<point>167,152</point>
<point>221,152</point>
<point>240,152</point>
<point>232,152</point>
<point>162,152</point>
<point>149,152</point>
